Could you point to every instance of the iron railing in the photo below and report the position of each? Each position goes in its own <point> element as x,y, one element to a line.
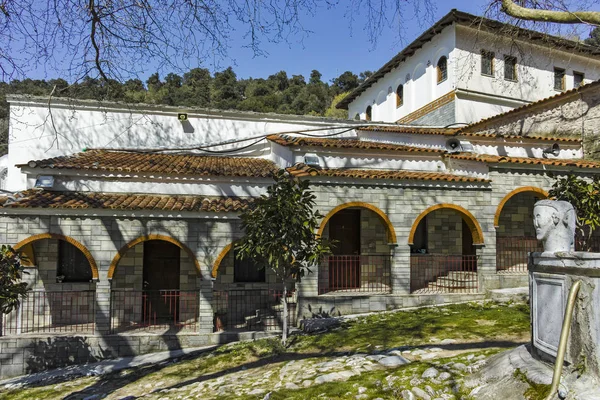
<point>512,253</point>
<point>154,310</point>
<point>252,309</point>
<point>440,273</point>
<point>52,312</point>
<point>356,273</point>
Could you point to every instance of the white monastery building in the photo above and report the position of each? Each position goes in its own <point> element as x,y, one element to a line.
<point>466,68</point>
<point>129,214</point>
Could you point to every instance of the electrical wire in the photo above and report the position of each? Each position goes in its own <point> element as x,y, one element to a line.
<point>259,138</point>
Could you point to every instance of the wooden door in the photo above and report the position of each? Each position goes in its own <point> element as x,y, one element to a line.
<point>344,265</point>
<point>161,282</point>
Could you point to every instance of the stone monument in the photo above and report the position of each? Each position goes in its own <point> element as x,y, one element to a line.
<point>551,276</point>
<point>554,223</point>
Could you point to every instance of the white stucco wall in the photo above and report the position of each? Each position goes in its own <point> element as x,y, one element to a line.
<point>419,77</point>
<point>535,66</point>
<point>477,96</point>
<point>88,124</point>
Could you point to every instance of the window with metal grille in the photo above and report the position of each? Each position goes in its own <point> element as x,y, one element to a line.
<point>559,79</point>
<point>442,69</point>
<point>578,79</point>
<point>246,270</point>
<point>510,68</point>
<point>487,62</point>
<point>399,96</point>
<point>72,266</point>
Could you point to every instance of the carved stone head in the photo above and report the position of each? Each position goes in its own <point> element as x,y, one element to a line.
<point>554,223</point>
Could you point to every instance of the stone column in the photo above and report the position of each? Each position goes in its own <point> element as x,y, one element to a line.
<point>103,292</point>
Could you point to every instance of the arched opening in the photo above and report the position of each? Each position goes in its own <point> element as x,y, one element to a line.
<point>155,284</point>
<point>60,275</point>
<point>369,113</point>
<point>362,238</point>
<point>442,69</point>
<point>515,233</point>
<point>399,96</point>
<point>247,295</point>
<point>443,253</point>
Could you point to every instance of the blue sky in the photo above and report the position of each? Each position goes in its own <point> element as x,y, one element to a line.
<point>335,44</point>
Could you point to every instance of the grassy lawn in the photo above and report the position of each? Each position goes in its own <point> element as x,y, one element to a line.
<point>477,329</point>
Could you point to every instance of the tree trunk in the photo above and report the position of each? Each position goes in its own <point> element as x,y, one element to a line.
<point>285,315</point>
<point>559,17</point>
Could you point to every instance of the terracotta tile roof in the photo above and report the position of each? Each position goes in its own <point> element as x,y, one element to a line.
<point>459,132</point>
<point>411,129</point>
<point>286,140</point>
<point>302,170</point>
<point>547,138</point>
<point>470,20</point>
<point>180,164</point>
<point>35,198</point>
<point>530,106</point>
<point>578,163</point>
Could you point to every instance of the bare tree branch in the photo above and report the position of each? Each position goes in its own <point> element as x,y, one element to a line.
<point>542,15</point>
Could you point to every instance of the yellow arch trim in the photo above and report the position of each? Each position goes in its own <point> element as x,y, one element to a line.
<point>145,238</point>
<point>384,218</point>
<point>464,213</point>
<point>26,246</point>
<point>220,257</point>
<point>529,189</point>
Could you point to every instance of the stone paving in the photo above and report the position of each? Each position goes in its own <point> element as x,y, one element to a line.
<point>440,381</point>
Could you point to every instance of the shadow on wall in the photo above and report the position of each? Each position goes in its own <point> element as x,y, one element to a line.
<point>61,352</point>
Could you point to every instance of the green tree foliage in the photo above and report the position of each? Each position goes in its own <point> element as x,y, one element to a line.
<point>12,290</point>
<point>280,233</point>
<point>594,39</point>
<point>279,93</point>
<point>346,82</point>
<point>333,112</point>
<point>584,195</point>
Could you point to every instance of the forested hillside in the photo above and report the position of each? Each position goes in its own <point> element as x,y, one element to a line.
<point>279,93</point>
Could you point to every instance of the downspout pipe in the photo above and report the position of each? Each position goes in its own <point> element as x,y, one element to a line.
<point>564,336</point>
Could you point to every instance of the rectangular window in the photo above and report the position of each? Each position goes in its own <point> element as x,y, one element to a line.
<point>487,63</point>
<point>510,68</point>
<point>72,264</point>
<point>559,79</point>
<point>247,271</point>
<point>578,79</point>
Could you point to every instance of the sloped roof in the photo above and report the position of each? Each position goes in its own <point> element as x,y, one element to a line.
<point>459,132</point>
<point>578,163</point>
<point>340,143</point>
<point>463,18</point>
<point>170,164</point>
<point>302,170</point>
<point>410,129</point>
<point>527,108</point>
<point>35,198</point>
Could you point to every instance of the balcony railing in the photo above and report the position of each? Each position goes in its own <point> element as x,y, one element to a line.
<point>440,273</point>
<point>154,310</point>
<point>356,273</point>
<point>258,309</point>
<point>512,253</point>
<point>52,312</point>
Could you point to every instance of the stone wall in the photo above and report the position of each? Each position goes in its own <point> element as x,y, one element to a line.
<point>444,232</point>
<point>575,115</point>
<point>516,219</point>
<point>442,116</point>
<point>206,238</point>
